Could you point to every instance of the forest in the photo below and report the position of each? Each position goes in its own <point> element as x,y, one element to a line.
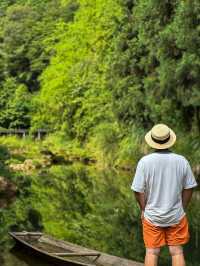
<point>98,74</point>
<point>101,71</point>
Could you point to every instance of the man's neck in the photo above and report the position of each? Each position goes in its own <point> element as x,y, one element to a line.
<point>162,151</point>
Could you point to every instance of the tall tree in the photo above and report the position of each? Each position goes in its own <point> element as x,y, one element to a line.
<point>74,86</point>
<point>156,66</point>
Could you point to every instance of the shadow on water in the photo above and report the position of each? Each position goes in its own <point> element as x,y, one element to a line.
<point>19,257</point>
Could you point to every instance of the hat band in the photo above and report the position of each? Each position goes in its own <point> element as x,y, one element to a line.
<point>160,141</point>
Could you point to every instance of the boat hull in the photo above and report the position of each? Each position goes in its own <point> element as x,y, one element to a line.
<point>45,255</point>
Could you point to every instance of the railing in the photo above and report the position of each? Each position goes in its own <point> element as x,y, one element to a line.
<point>39,133</point>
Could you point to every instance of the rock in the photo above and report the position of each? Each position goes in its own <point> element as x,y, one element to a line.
<point>7,187</point>
<point>46,161</point>
<point>25,167</point>
<point>29,165</point>
<point>47,152</point>
<point>3,183</point>
<point>17,151</point>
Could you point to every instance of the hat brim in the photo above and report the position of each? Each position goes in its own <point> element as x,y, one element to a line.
<point>159,146</point>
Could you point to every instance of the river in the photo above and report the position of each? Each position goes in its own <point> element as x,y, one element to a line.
<point>91,207</point>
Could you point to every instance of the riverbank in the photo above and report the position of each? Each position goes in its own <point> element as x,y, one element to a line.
<point>55,149</point>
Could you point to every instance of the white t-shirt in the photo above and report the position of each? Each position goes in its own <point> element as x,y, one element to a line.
<point>162,175</point>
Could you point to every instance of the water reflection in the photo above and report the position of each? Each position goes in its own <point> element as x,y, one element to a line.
<point>76,203</point>
<point>82,205</point>
<point>18,257</point>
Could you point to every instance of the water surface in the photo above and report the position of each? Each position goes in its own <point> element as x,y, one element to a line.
<point>84,205</point>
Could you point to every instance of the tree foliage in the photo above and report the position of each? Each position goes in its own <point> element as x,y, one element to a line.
<point>136,63</point>
<point>24,31</point>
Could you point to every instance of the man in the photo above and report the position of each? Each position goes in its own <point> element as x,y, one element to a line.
<point>163,186</point>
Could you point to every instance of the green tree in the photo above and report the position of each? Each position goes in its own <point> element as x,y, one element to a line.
<point>156,66</point>
<point>74,86</point>
<point>15,105</point>
<point>24,31</point>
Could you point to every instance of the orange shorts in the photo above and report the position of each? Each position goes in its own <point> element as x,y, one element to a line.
<point>156,236</point>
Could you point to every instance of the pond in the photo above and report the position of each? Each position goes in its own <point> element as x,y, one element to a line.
<point>84,205</point>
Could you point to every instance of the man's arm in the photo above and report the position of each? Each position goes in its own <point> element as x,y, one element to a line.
<point>140,197</point>
<point>186,197</point>
<point>189,183</point>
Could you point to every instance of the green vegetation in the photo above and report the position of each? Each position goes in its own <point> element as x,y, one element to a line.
<point>99,74</point>
<point>25,30</point>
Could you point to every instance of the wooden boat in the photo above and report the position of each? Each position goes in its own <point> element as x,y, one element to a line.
<point>61,252</point>
<point>42,246</point>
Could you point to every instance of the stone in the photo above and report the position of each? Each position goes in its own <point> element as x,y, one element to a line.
<point>7,187</point>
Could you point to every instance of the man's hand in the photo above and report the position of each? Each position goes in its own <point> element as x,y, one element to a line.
<point>140,197</point>
<point>142,215</point>
<point>186,197</point>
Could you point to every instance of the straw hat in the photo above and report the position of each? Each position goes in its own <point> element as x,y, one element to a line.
<point>160,137</point>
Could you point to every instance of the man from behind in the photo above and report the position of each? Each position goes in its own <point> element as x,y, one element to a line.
<point>163,186</point>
